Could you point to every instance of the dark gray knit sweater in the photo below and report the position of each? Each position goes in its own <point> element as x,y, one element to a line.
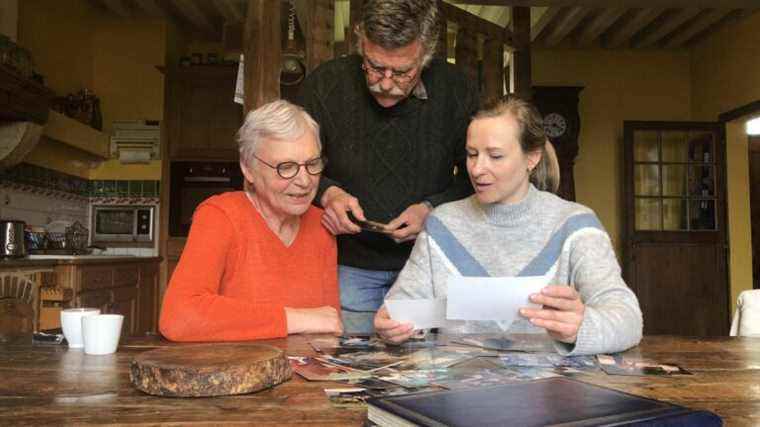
<point>389,158</point>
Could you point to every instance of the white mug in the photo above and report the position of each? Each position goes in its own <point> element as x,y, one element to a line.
<point>71,323</point>
<point>101,333</point>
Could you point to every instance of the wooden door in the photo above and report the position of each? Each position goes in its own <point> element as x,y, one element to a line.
<point>147,308</point>
<point>675,248</point>
<point>754,193</point>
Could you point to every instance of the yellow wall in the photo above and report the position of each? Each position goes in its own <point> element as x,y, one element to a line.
<point>76,45</point>
<point>619,85</point>
<point>725,73</point>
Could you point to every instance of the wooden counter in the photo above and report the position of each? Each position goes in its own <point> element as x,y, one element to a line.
<point>51,385</point>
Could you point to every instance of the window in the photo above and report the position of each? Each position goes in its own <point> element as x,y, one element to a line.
<point>674,180</point>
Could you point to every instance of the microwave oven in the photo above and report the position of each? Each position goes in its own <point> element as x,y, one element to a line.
<point>123,224</point>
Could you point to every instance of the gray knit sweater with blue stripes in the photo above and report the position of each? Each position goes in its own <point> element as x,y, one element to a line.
<point>542,235</point>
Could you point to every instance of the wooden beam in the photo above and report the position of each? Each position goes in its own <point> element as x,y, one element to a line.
<point>675,20</point>
<point>601,23</point>
<point>493,69</point>
<point>630,28</point>
<point>566,23</point>
<point>520,68</point>
<point>262,49</point>
<point>728,4</point>
<point>193,14</point>
<point>473,23</point>
<point>442,49</point>
<point>231,10</point>
<point>118,7</point>
<point>466,53</point>
<point>705,20</point>
<point>542,23</point>
<point>152,8</point>
<point>355,16</point>
<point>319,15</point>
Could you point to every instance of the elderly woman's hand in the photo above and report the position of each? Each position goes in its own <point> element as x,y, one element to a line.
<point>391,330</point>
<point>337,203</point>
<point>561,314</point>
<point>313,320</point>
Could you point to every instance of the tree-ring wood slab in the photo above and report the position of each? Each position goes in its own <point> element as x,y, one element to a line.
<point>202,370</point>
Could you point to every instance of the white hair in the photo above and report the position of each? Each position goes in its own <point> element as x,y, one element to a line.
<point>278,119</point>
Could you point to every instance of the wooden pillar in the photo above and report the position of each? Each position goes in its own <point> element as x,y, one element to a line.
<point>520,66</point>
<point>442,50</point>
<point>467,53</point>
<point>493,69</point>
<point>355,16</point>
<point>319,17</point>
<point>262,49</point>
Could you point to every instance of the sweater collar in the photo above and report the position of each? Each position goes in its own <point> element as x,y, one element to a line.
<point>507,214</point>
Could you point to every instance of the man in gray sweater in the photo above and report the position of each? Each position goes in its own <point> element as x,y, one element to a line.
<point>510,228</point>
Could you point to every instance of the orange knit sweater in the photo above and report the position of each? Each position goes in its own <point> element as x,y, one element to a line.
<point>235,276</point>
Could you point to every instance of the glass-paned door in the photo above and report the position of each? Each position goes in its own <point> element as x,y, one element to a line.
<point>675,247</point>
<point>674,180</point>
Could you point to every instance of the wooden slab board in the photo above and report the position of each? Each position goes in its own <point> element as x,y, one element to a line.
<point>201,370</point>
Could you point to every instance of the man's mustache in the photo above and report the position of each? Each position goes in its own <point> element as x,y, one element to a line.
<point>375,88</point>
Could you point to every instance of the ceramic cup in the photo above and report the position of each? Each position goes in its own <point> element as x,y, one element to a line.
<point>71,323</point>
<point>101,333</point>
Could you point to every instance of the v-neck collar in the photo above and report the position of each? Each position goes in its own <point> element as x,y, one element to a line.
<point>271,233</point>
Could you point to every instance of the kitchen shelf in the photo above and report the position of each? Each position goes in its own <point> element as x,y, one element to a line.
<point>78,135</point>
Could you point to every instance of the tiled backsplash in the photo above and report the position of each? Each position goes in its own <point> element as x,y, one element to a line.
<point>38,196</point>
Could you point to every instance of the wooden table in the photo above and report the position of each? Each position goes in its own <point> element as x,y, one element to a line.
<point>50,385</point>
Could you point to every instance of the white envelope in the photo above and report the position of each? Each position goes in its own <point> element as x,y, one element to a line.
<point>422,313</point>
<point>491,298</point>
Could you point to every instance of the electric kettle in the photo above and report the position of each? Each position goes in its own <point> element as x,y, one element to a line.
<point>12,243</point>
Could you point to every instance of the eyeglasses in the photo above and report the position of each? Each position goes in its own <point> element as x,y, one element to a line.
<point>399,77</point>
<point>288,170</point>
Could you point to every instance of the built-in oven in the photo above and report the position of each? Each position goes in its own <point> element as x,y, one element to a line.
<point>122,224</point>
<point>193,182</point>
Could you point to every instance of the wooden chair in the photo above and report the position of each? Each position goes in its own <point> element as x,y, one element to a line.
<point>18,302</point>
<point>746,321</point>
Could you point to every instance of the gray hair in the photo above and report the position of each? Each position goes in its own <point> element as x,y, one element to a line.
<point>276,120</point>
<point>392,24</point>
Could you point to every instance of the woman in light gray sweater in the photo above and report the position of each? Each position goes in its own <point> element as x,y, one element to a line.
<point>512,226</point>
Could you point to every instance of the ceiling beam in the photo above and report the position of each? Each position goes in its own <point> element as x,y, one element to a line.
<point>151,7</point>
<point>540,25</point>
<point>193,14</point>
<point>630,28</point>
<point>566,24</point>
<point>473,23</point>
<point>678,18</point>
<point>118,7</point>
<point>600,24</point>
<point>728,4</point>
<point>706,20</point>
<point>231,10</point>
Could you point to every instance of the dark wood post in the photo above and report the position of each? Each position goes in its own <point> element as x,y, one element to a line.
<point>467,53</point>
<point>520,66</point>
<point>493,69</point>
<point>262,49</point>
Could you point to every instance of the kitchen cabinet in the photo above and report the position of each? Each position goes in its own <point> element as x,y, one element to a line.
<point>127,286</point>
<point>202,117</point>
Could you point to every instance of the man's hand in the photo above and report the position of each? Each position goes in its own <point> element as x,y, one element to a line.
<point>313,320</point>
<point>391,330</point>
<point>407,225</point>
<point>561,314</point>
<point>336,204</point>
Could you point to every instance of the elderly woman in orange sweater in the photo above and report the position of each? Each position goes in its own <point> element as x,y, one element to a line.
<point>258,263</point>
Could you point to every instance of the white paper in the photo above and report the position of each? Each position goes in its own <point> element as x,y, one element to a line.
<point>422,313</point>
<point>239,96</point>
<point>491,298</point>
